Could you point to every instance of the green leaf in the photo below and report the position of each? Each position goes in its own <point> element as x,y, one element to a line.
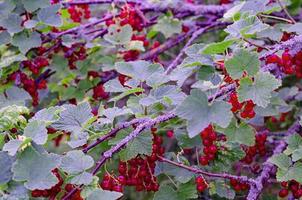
<point>160,94</point>
<point>36,130</point>
<point>140,145</point>
<point>14,95</point>
<point>142,71</point>
<point>82,178</point>
<point>165,193</point>
<point>281,160</point>
<point>114,86</point>
<point>294,142</point>
<point>100,194</point>
<point>168,26</point>
<point>49,15</point>
<point>12,23</point>
<point>241,133</point>
<point>184,141</point>
<point>246,27</point>
<point>135,45</point>
<point>9,60</point>
<point>26,41</point>
<point>274,33</point>
<point>33,5</point>
<point>12,146</point>
<point>5,38</point>
<point>6,162</point>
<point>195,57</point>
<point>126,93</point>
<point>76,162</point>
<point>119,35</point>
<point>47,115</point>
<point>34,168</point>
<point>180,174</point>
<point>260,91</point>
<point>187,191</point>
<point>293,173</point>
<point>112,113</point>
<point>297,154</point>
<point>73,117</point>
<point>6,7</point>
<point>222,189</point>
<point>219,47</point>
<point>297,28</point>
<point>242,61</point>
<point>200,114</point>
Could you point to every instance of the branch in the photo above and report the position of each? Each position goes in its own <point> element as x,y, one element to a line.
<point>295,42</point>
<point>180,7</point>
<point>195,35</point>
<point>118,147</point>
<point>223,91</point>
<point>243,179</point>
<point>286,12</point>
<point>167,45</point>
<point>268,167</point>
<point>113,132</point>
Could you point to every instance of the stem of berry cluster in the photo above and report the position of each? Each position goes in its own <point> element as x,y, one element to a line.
<point>268,167</point>
<point>243,179</point>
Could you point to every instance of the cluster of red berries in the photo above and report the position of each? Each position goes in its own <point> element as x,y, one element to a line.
<point>246,108</point>
<point>29,85</point>
<point>74,53</point>
<point>35,65</point>
<point>291,186</point>
<point>210,149</point>
<point>258,148</point>
<point>170,133</point>
<point>238,186</point>
<point>138,172</point>
<point>282,118</point>
<point>201,184</point>
<point>289,64</point>
<point>225,1</point>
<point>128,15</point>
<point>133,54</point>
<point>78,11</point>
<point>99,92</point>
<point>111,183</point>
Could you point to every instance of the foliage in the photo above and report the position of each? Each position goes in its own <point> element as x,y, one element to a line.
<point>181,99</point>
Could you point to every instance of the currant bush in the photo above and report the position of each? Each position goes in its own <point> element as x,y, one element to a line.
<point>182,99</point>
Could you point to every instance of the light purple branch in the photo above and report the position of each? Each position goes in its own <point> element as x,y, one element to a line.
<point>268,167</point>
<point>114,131</point>
<point>167,45</point>
<point>223,91</point>
<point>146,125</point>
<point>118,147</point>
<point>243,179</point>
<point>195,35</point>
<point>293,43</point>
<point>160,7</point>
<point>78,28</point>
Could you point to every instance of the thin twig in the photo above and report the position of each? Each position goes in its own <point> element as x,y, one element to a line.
<point>286,12</point>
<point>195,170</point>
